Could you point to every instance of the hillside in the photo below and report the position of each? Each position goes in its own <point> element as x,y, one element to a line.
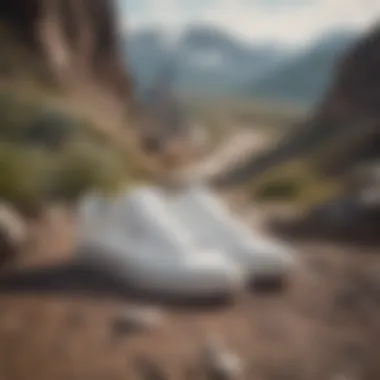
<point>63,85</point>
<point>353,103</point>
<point>343,129</point>
<point>305,77</point>
<point>75,44</point>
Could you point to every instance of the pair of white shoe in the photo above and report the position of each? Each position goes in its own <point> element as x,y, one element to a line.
<point>183,244</point>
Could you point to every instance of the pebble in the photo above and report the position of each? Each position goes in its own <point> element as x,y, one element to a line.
<point>135,320</point>
<point>219,362</point>
<point>13,232</point>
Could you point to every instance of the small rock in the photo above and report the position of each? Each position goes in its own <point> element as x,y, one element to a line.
<point>218,362</point>
<point>148,370</point>
<point>136,320</point>
<point>12,232</point>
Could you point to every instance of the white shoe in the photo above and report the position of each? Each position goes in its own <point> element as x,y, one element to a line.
<point>216,228</point>
<point>136,238</point>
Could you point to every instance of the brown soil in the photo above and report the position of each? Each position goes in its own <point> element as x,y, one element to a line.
<point>324,324</point>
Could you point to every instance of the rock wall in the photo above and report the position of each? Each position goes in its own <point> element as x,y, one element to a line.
<point>74,41</point>
<point>351,108</point>
<point>355,90</point>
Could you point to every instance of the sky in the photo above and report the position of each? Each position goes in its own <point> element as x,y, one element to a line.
<point>291,22</point>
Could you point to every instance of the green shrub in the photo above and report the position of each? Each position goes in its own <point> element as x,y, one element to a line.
<point>285,183</point>
<point>31,122</point>
<point>29,177</point>
<point>85,166</point>
<point>295,183</point>
<point>50,129</point>
<point>23,175</point>
<point>281,189</point>
<point>47,154</point>
<point>16,114</point>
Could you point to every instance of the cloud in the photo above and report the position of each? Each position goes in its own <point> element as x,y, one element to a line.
<point>284,21</point>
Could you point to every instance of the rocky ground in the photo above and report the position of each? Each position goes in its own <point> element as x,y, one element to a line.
<point>323,326</point>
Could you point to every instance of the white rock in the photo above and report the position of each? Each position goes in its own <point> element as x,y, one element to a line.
<point>219,362</point>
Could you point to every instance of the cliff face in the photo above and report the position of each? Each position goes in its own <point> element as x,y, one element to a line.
<point>62,58</point>
<point>355,90</point>
<point>351,109</point>
<point>74,41</point>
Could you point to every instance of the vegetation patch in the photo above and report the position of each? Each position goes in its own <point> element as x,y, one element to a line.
<point>296,183</point>
<point>48,154</point>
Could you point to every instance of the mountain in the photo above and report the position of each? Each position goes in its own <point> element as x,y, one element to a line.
<point>214,61</point>
<point>206,59</point>
<point>144,54</point>
<point>209,61</point>
<point>305,77</point>
<point>341,132</point>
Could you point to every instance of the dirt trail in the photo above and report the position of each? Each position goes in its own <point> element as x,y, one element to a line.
<point>236,148</point>
<point>324,324</point>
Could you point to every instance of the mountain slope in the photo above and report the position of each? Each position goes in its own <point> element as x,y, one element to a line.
<point>305,77</point>
<point>343,130</point>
